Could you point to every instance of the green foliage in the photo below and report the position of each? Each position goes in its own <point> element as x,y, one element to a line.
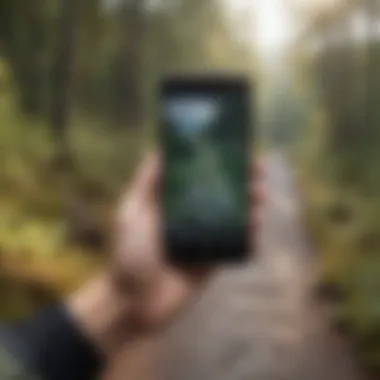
<point>340,178</point>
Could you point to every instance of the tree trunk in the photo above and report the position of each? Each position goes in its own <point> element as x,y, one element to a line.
<point>63,71</point>
<point>371,66</point>
<point>26,44</point>
<point>131,64</point>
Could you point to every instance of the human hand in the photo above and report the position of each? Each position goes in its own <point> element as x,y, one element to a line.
<point>141,292</point>
<point>157,290</point>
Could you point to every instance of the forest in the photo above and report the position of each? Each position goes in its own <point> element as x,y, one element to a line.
<point>78,86</point>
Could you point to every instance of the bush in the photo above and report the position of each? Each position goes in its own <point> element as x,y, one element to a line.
<point>346,229</point>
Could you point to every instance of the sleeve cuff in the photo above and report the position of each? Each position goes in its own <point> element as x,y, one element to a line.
<point>54,348</point>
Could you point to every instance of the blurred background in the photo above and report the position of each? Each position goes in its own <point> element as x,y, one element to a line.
<point>78,85</point>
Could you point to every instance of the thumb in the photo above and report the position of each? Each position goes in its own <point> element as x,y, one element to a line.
<point>146,181</point>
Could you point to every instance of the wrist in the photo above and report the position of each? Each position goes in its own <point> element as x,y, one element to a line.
<point>101,312</point>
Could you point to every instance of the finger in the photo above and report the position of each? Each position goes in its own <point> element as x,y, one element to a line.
<point>256,222</point>
<point>258,169</point>
<point>256,219</point>
<point>258,194</point>
<point>146,180</point>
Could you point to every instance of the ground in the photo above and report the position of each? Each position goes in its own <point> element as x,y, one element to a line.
<point>261,322</point>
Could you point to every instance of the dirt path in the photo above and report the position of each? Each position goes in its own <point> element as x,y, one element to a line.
<point>259,322</point>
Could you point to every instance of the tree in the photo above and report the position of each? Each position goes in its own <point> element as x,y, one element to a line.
<point>129,64</point>
<point>25,44</point>
<point>63,71</point>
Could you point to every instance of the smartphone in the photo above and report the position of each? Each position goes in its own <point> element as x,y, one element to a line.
<point>206,142</point>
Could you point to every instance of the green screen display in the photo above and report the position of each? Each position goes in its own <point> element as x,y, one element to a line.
<point>206,149</point>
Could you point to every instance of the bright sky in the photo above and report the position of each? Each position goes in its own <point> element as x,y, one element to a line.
<point>273,24</point>
<point>272,27</point>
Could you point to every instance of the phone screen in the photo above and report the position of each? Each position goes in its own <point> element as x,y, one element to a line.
<point>206,141</point>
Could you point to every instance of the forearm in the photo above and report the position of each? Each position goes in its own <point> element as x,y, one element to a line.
<point>72,340</point>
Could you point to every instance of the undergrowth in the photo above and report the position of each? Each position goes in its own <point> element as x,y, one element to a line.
<point>345,228</point>
<point>34,221</point>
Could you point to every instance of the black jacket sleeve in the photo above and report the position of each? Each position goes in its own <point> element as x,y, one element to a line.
<point>52,347</point>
